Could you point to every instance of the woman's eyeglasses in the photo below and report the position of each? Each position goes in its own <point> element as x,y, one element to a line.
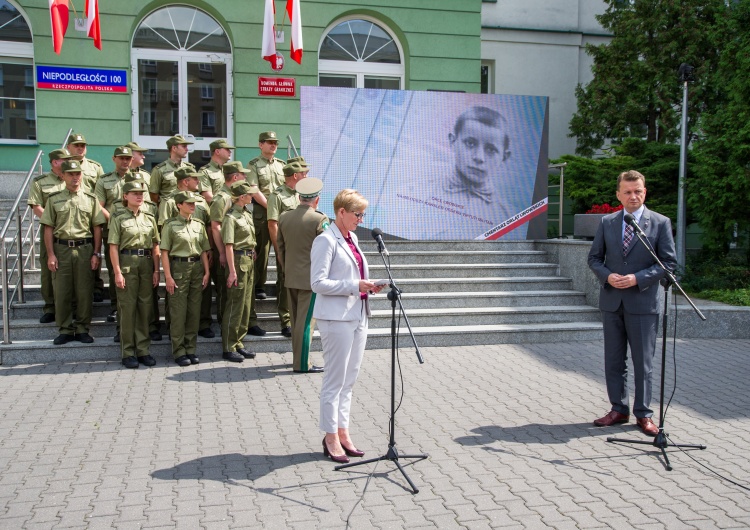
<point>359,215</point>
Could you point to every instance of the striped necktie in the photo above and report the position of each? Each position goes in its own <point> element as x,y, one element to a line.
<point>627,240</point>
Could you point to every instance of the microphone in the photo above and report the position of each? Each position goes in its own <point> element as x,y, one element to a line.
<point>629,219</point>
<point>377,235</point>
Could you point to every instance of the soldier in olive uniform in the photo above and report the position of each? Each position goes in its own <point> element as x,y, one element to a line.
<point>91,170</point>
<point>108,191</point>
<point>184,259</point>
<point>266,172</point>
<point>283,199</point>
<point>238,235</point>
<point>163,181</point>
<point>212,177</point>
<point>73,222</point>
<point>134,254</point>
<point>297,230</point>
<point>188,180</point>
<point>222,202</point>
<point>136,164</point>
<point>41,188</point>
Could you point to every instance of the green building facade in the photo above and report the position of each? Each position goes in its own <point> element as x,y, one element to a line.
<point>194,68</point>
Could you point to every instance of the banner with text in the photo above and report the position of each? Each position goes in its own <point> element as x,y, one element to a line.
<point>81,79</point>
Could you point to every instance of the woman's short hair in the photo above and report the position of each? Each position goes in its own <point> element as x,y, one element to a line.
<point>350,200</point>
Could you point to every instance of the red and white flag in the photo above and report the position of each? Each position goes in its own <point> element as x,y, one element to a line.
<point>93,29</point>
<point>59,13</point>
<point>292,9</point>
<point>268,50</point>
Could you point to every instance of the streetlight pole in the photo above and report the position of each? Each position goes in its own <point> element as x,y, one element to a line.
<point>686,75</point>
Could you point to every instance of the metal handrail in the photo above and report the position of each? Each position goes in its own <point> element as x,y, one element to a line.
<point>20,240</point>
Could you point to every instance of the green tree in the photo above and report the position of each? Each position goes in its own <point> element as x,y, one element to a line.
<point>720,191</point>
<point>635,91</point>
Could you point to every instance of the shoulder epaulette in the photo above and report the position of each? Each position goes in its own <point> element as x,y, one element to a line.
<point>161,164</point>
<point>279,189</point>
<point>197,220</point>
<point>253,161</point>
<point>91,195</point>
<point>94,162</point>
<point>40,177</point>
<point>56,193</point>
<point>189,164</point>
<point>148,213</point>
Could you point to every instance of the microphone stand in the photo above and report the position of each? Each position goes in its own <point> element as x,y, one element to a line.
<point>392,454</point>
<point>661,440</point>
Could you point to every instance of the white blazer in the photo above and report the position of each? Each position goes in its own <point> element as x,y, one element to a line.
<point>334,277</point>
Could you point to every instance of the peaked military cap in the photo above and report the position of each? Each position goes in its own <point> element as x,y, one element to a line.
<point>309,188</point>
<point>186,196</point>
<point>241,188</point>
<point>71,166</point>
<point>76,138</point>
<point>177,140</point>
<point>268,135</point>
<point>135,185</point>
<point>123,150</point>
<point>135,147</point>
<point>230,168</point>
<point>185,173</point>
<point>220,144</point>
<point>59,154</point>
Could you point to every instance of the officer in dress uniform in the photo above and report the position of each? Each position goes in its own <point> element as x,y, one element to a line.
<point>238,235</point>
<point>222,202</point>
<point>283,199</point>
<point>91,170</point>
<point>188,180</point>
<point>73,222</point>
<point>108,191</point>
<point>41,188</point>
<point>134,254</point>
<point>184,260</point>
<point>212,177</point>
<point>163,181</point>
<point>266,172</point>
<point>297,230</point>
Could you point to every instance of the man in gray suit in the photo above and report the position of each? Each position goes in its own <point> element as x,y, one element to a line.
<point>629,298</point>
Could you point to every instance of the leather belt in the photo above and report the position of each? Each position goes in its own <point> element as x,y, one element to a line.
<point>136,252</point>
<point>189,259</point>
<point>245,253</point>
<point>74,242</point>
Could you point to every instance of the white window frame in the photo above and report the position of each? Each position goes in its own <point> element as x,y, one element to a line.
<point>19,50</point>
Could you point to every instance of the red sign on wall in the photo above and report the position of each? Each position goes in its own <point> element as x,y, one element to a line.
<point>277,86</point>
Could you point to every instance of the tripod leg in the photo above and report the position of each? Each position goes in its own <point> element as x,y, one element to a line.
<point>413,487</point>
<point>361,462</point>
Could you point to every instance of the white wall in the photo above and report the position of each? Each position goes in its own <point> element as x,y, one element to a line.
<point>537,47</point>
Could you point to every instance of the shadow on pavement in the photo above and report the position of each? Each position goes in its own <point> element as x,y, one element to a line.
<point>531,433</point>
<point>232,374</point>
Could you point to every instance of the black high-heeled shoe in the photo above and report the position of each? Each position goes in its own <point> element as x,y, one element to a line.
<point>340,459</point>
<point>352,452</point>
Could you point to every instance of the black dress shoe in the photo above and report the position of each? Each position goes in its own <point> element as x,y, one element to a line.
<point>63,339</point>
<point>84,337</point>
<point>146,360</point>
<point>193,359</point>
<point>255,330</point>
<point>112,317</point>
<point>286,331</point>
<point>47,318</point>
<point>154,335</point>
<point>232,356</point>
<point>247,354</point>
<point>98,297</point>
<point>116,337</point>
<point>130,362</point>
<point>183,360</point>
<point>260,294</point>
<point>313,370</point>
<point>206,333</point>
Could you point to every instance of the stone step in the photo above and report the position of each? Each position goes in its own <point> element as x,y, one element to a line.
<point>209,350</point>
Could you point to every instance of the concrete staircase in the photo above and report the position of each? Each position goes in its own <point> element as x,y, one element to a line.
<point>454,293</point>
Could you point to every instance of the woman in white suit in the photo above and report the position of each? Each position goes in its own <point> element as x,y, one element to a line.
<point>339,278</point>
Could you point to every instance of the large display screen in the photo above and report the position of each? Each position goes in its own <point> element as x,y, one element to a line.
<point>433,165</point>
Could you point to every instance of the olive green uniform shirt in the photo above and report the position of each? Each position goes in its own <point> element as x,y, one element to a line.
<point>212,178</point>
<point>73,215</point>
<point>221,204</point>
<point>267,175</point>
<point>42,187</point>
<point>298,229</point>
<point>108,190</point>
<point>184,237</point>
<point>168,209</point>
<point>238,229</point>
<point>91,171</point>
<point>281,200</point>
<point>163,181</point>
<point>130,231</point>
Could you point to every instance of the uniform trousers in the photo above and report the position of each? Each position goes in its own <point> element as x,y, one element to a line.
<point>74,286</point>
<point>639,331</point>
<point>134,304</point>
<point>111,274</point>
<point>262,246</point>
<point>219,279</point>
<point>185,306</point>
<point>301,304</point>
<point>48,290</point>
<point>206,300</point>
<point>282,297</point>
<point>343,349</point>
<point>234,321</point>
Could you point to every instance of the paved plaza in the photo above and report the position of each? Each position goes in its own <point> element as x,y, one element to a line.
<point>508,429</point>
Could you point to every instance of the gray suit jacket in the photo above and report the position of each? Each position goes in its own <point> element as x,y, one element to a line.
<point>605,257</point>
<point>334,277</point>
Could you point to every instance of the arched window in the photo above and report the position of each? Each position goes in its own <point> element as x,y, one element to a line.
<point>17,104</point>
<point>183,63</point>
<point>360,53</point>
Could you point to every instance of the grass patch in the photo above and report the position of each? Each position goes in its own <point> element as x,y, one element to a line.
<point>723,279</point>
<point>739,297</point>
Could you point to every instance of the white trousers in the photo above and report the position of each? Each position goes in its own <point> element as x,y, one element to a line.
<point>343,349</point>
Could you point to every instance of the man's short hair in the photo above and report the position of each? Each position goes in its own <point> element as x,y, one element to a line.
<point>485,116</point>
<point>630,176</point>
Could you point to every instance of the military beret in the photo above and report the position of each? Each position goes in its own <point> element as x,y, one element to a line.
<point>241,188</point>
<point>123,150</point>
<point>71,166</point>
<point>268,135</point>
<point>177,140</point>
<point>309,188</point>
<point>59,154</point>
<point>185,173</point>
<point>230,168</point>
<point>135,185</point>
<point>186,196</point>
<point>76,138</point>
<point>135,147</point>
<point>220,144</point>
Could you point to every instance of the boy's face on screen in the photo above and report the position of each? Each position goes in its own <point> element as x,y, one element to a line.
<point>478,150</point>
